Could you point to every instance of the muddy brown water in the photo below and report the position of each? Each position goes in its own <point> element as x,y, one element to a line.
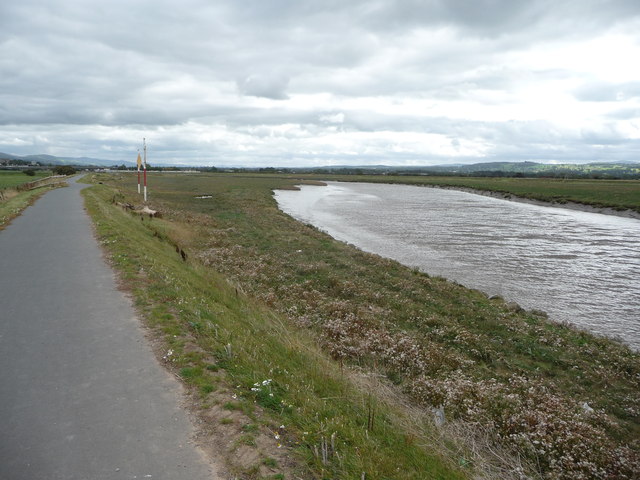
<point>579,267</point>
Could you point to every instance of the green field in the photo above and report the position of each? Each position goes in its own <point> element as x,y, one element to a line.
<point>358,348</point>
<point>11,178</point>
<point>616,194</point>
<point>12,202</point>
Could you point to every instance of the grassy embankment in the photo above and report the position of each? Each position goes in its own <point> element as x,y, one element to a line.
<point>615,194</point>
<point>12,201</point>
<point>354,347</point>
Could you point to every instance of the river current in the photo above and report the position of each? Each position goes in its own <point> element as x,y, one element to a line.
<point>579,267</point>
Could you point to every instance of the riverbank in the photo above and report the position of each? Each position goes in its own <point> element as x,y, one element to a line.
<point>358,351</point>
<point>525,253</point>
<point>581,207</point>
<point>611,197</point>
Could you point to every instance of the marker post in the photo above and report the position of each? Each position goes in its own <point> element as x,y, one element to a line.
<point>144,141</point>
<point>139,162</point>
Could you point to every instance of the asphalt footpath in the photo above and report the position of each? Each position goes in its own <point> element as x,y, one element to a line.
<point>81,393</point>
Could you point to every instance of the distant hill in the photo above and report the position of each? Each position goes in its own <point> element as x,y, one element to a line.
<point>497,169</point>
<point>54,160</point>
<point>534,167</point>
<point>486,169</point>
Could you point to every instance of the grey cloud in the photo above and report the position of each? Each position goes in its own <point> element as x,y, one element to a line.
<point>606,135</point>
<point>626,113</point>
<point>607,92</point>
<point>541,141</point>
<point>154,64</point>
<point>264,85</point>
<point>481,15</point>
<point>495,18</point>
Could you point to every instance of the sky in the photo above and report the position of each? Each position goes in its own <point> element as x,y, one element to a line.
<point>262,83</point>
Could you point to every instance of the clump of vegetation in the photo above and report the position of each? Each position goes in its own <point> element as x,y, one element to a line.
<point>64,170</point>
<point>564,400</point>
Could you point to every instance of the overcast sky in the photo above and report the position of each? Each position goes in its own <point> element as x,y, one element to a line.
<point>297,82</point>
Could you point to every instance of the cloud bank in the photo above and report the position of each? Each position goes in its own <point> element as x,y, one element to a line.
<point>285,82</point>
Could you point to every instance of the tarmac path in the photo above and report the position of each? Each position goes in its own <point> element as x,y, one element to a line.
<point>81,393</point>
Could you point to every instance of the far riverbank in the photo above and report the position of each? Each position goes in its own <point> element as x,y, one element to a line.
<point>581,207</point>
<point>579,267</point>
<point>610,197</point>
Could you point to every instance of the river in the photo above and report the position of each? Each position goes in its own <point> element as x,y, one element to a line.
<point>579,267</point>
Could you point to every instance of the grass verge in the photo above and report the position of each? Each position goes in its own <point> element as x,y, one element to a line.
<point>13,204</point>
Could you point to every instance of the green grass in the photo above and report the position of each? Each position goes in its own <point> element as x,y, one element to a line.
<point>12,202</point>
<point>302,313</point>
<point>14,205</point>
<point>175,296</point>
<point>270,462</point>
<point>11,178</point>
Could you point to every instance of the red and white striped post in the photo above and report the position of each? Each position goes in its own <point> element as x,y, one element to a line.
<point>139,161</point>
<point>144,141</point>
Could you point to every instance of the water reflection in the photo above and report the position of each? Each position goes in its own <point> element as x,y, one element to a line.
<point>580,267</point>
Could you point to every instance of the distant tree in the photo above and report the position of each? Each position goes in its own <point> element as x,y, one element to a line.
<point>64,170</point>
<point>29,172</point>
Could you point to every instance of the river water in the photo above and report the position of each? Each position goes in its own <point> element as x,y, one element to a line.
<point>579,267</point>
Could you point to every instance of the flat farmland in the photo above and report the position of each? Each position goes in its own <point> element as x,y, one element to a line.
<point>11,178</point>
